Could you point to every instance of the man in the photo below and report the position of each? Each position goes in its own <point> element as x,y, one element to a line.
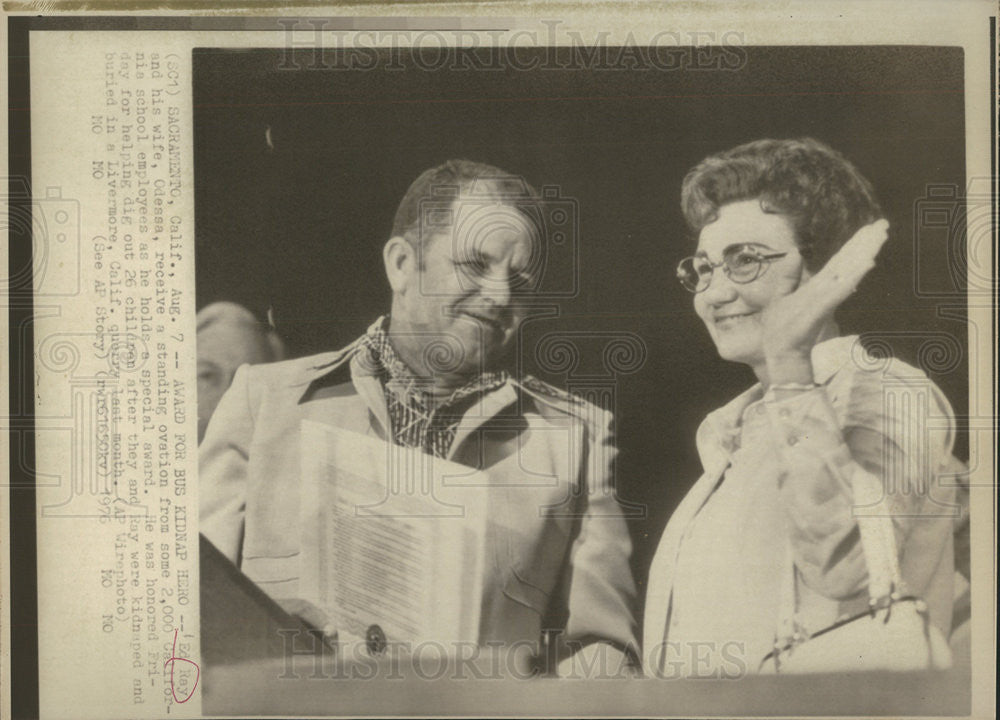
<point>228,336</point>
<point>462,261</point>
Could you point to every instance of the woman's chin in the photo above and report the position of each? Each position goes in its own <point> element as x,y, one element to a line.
<point>739,353</point>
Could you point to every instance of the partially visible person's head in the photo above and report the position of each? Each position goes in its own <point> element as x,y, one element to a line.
<point>817,189</point>
<point>228,336</point>
<point>465,253</point>
<point>769,215</point>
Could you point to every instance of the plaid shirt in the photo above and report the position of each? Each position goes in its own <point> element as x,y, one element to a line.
<point>415,420</point>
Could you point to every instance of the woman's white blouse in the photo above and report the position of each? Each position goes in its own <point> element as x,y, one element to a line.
<point>776,490</point>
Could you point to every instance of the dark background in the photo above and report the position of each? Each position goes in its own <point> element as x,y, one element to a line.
<point>298,226</point>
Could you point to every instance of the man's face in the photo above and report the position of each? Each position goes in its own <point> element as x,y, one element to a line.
<point>465,300</point>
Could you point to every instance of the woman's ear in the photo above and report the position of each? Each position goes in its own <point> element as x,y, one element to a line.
<point>400,261</point>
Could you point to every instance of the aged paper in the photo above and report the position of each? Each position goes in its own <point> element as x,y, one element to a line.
<point>116,361</point>
<point>161,161</point>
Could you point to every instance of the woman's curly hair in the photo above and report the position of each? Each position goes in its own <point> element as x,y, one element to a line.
<point>822,193</point>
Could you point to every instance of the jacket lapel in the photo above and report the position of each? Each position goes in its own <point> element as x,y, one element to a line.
<point>660,583</point>
<point>369,387</point>
<point>715,441</point>
<point>486,408</point>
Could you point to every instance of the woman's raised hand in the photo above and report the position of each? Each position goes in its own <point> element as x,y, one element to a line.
<point>792,323</point>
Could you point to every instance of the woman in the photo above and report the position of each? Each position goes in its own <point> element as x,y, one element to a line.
<point>786,231</point>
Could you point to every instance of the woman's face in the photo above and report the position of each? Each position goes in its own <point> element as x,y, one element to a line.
<point>732,311</point>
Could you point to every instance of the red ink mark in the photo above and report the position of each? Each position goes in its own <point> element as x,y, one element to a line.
<point>173,659</point>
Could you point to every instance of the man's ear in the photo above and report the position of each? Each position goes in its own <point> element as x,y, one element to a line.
<point>400,260</point>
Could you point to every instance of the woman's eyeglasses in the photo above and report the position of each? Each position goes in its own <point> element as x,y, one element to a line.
<point>742,263</point>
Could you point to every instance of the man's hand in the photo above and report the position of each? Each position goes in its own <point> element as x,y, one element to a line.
<point>793,321</point>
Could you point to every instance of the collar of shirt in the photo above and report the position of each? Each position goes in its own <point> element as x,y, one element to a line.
<point>382,360</point>
<point>718,435</point>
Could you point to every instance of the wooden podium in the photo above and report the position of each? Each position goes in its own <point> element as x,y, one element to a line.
<point>239,622</point>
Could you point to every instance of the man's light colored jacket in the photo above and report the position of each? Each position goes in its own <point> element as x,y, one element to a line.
<point>558,545</point>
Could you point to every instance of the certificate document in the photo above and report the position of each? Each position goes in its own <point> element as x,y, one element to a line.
<point>392,541</point>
